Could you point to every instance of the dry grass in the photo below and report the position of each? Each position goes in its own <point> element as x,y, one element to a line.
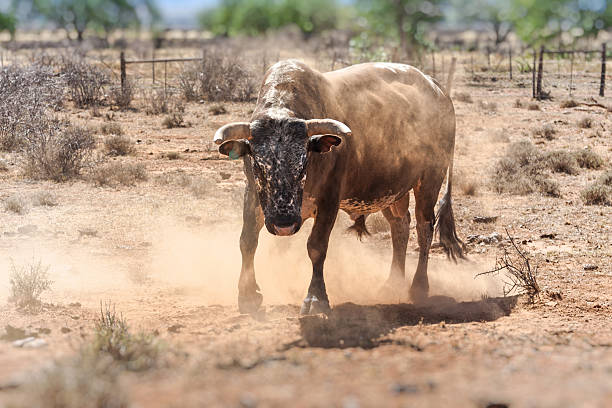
<point>174,120</point>
<point>588,159</point>
<point>217,109</point>
<point>585,123</point>
<point>599,192</point>
<point>522,171</point>
<point>561,161</point>
<point>27,284</point>
<point>463,97</point>
<point>533,107</point>
<point>570,103</point>
<point>44,199</point>
<point>15,204</point>
<point>547,132</point>
<point>116,173</point>
<point>159,101</point>
<point>117,145</point>
<point>488,106</point>
<point>122,97</point>
<point>111,129</point>
<point>86,82</point>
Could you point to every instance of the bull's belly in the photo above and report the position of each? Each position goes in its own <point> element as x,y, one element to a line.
<point>355,207</point>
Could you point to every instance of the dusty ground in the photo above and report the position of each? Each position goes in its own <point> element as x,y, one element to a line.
<point>168,259</point>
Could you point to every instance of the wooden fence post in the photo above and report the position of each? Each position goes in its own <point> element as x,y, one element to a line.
<point>451,74</point>
<point>489,57</point>
<point>153,65</point>
<point>602,84</point>
<point>533,75</point>
<point>540,73</point>
<point>510,61</point>
<point>571,74</point>
<point>123,74</point>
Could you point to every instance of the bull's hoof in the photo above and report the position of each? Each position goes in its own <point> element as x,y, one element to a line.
<point>249,304</point>
<point>419,294</point>
<point>312,305</point>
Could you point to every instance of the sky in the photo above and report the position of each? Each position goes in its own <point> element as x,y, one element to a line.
<point>183,12</point>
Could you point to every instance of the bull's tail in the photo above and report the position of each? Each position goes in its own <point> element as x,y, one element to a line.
<point>359,227</point>
<point>445,224</point>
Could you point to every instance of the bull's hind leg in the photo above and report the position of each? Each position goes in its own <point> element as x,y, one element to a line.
<point>426,195</point>
<point>249,298</point>
<point>398,217</point>
<point>316,300</point>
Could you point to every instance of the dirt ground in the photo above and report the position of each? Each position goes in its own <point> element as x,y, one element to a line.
<point>168,259</point>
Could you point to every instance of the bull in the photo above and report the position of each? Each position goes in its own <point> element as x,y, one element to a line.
<point>356,139</point>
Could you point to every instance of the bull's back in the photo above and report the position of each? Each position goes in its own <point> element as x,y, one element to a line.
<point>402,122</point>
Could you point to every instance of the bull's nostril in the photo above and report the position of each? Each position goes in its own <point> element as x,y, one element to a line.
<point>285,231</point>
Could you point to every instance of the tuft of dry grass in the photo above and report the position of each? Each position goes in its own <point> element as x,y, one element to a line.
<point>15,204</point>
<point>597,194</point>
<point>174,120</point>
<point>561,161</point>
<point>463,97</point>
<point>122,97</point>
<point>588,159</point>
<point>533,107</point>
<point>522,171</point>
<point>27,284</point>
<point>173,155</point>
<point>518,103</point>
<point>117,145</point>
<point>547,131</point>
<point>217,109</point>
<point>159,101</point>
<point>569,103</point>
<point>488,106</point>
<point>44,198</point>
<point>111,128</point>
<point>126,174</point>
<point>586,122</point>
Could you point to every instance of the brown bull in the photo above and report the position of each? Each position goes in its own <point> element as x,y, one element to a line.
<point>357,139</point>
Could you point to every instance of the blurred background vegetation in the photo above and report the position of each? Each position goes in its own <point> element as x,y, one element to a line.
<point>405,23</point>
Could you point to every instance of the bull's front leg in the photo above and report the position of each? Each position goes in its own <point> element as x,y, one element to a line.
<point>316,300</point>
<point>249,298</point>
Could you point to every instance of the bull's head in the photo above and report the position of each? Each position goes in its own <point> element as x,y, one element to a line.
<point>278,150</point>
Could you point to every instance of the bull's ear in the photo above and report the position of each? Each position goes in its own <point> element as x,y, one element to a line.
<point>234,148</point>
<point>323,143</point>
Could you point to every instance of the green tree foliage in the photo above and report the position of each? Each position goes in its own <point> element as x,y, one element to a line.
<point>8,22</point>
<point>99,15</point>
<point>495,14</point>
<point>541,21</point>
<point>253,17</point>
<point>405,20</point>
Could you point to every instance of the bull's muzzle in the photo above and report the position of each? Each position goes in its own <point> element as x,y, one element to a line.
<point>284,229</point>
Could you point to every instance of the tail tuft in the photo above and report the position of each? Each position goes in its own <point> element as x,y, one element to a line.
<point>445,228</point>
<point>359,227</point>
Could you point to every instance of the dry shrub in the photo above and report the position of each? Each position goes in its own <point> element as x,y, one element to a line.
<point>189,81</point>
<point>85,81</point>
<point>173,155</point>
<point>469,187</point>
<point>533,107</point>
<point>27,96</point>
<point>561,161</point>
<point>570,103</point>
<point>520,276</point>
<point>111,129</point>
<point>112,337</point>
<point>15,204</point>
<point>585,123</point>
<point>113,174</point>
<point>27,284</point>
<point>159,101</point>
<point>217,109</point>
<point>174,120</point>
<point>463,97</point>
<point>59,152</point>
<point>588,159</point>
<point>122,97</point>
<point>488,106</point>
<point>606,179</point>
<point>521,171</point>
<point>117,145</point>
<point>225,79</point>
<point>547,131</point>
<point>85,380</point>
<point>597,194</point>
<point>44,198</point>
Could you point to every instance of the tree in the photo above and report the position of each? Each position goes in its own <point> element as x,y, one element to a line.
<point>100,15</point>
<point>254,17</point>
<point>8,22</point>
<point>404,20</point>
<point>493,13</point>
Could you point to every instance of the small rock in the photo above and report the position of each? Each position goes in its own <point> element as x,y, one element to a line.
<point>248,401</point>
<point>27,229</point>
<point>224,175</point>
<point>22,342</point>
<point>75,304</point>
<point>65,330</point>
<point>485,219</point>
<point>175,328</point>
<point>36,343</point>
<point>193,218</point>
<point>404,388</point>
<point>549,236</point>
<point>88,232</point>
<point>44,330</point>
<point>145,244</point>
<point>589,267</point>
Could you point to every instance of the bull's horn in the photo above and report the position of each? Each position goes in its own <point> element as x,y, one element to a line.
<point>327,127</point>
<point>233,131</point>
